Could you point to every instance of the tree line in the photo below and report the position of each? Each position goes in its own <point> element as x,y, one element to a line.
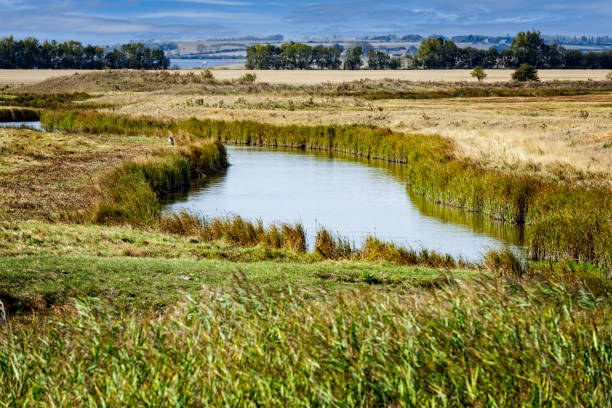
<point>30,53</point>
<point>433,53</point>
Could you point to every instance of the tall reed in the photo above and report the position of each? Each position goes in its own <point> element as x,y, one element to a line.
<point>131,192</point>
<point>237,231</point>
<point>467,344</point>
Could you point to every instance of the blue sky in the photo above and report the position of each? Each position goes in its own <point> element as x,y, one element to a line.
<point>110,21</point>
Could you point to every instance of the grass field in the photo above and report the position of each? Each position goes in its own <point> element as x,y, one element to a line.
<point>316,77</point>
<point>105,302</point>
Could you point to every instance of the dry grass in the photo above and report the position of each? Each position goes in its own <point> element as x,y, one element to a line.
<point>32,76</point>
<point>49,175</point>
<point>561,137</point>
<point>318,77</point>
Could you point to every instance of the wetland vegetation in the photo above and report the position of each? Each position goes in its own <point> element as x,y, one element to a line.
<point>104,298</point>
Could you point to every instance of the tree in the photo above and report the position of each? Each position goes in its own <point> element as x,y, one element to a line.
<point>529,48</point>
<point>437,53</point>
<point>479,73</point>
<point>353,58</point>
<point>524,73</point>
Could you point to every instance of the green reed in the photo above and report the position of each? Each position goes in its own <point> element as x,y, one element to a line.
<point>478,343</point>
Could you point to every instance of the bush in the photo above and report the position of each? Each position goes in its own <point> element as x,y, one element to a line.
<point>609,76</point>
<point>248,78</point>
<point>524,73</point>
<point>478,73</point>
<point>208,75</point>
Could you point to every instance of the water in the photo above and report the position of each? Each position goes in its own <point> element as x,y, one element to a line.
<point>184,63</point>
<point>347,196</point>
<point>34,124</point>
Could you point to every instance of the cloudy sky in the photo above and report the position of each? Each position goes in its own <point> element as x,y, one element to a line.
<point>108,21</point>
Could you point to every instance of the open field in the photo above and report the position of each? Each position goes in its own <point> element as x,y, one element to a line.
<point>558,136</point>
<point>311,77</point>
<point>548,135</point>
<point>104,300</point>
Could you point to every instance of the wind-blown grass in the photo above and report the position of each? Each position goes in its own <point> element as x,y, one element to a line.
<point>566,222</point>
<point>468,344</point>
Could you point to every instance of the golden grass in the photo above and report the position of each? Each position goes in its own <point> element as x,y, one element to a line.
<point>49,175</point>
<point>310,77</point>
<point>31,76</point>
<point>560,137</point>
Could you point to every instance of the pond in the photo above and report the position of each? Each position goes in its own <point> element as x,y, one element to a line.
<point>348,196</point>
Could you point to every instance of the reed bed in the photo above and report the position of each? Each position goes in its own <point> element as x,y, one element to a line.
<point>566,222</point>
<point>18,115</point>
<point>130,193</point>
<point>237,231</point>
<point>328,246</point>
<point>481,343</point>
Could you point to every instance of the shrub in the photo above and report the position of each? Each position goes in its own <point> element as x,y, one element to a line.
<point>208,74</point>
<point>248,78</point>
<point>479,73</point>
<point>609,76</point>
<point>525,73</point>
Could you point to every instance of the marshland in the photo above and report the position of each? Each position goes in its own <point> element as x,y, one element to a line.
<point>125,260</point>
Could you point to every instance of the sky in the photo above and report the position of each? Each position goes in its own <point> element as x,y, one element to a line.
<point>112,21</point>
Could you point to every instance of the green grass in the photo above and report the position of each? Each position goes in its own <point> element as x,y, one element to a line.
<point>42,265</point>
<point>566,222</point>
<point>478,343</point>
<point>35,283</point>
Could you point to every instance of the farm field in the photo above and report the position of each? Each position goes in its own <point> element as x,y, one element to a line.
<point>23,76</point>
<point>105,297</point>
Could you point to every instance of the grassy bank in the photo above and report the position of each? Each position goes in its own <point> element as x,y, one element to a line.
<point>130,193</point>
<point>18,115</point>
<point>468,344</point>
<point>45,265</point>
<point>566,222</point>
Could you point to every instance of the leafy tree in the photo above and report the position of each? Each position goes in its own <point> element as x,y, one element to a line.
<point>437,53</point>
<point>529,48</point>
<point>524,73</point>
<point>479,73</point>
<point>352,59</point>
<point>296,55</point>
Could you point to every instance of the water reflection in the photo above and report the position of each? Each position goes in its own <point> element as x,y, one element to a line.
<point>32,125</point>
<point>352,197</point>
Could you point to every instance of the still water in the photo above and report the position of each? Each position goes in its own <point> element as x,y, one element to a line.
<point>348,196</point>
<point>33,125</point>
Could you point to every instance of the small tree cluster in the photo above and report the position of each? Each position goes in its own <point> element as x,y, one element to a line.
<point>293,56</point>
